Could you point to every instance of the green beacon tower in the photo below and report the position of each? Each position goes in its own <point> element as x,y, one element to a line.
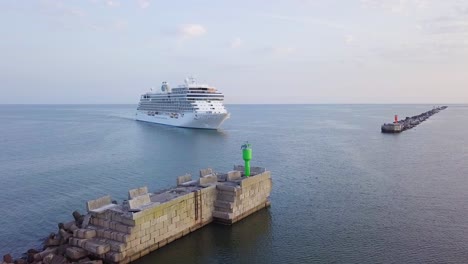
<point>247,156</point>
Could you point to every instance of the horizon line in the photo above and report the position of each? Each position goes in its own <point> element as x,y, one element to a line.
<point>43,104</point>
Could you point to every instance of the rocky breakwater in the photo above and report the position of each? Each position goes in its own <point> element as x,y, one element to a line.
<point>409,122</point>
<point>121,233</point>
<point>56,248</point>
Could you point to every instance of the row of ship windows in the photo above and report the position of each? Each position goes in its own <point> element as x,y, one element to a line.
<point>219,96</point>
<point>172,109</point>
<point>176,100</point>
<point>179,108</point>
<point>171,102</point>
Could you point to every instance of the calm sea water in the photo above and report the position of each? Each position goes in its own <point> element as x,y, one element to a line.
<point>343,192</point>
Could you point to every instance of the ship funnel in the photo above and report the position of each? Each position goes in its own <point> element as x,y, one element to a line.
<point>247,156</point>
<point>396,119</point>
<point>165,88</point>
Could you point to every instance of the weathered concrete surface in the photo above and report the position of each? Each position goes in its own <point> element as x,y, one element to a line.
<point>236,202</point>
<point>76,253</point>
<point>233,175</point>
<point>138,202</point>
<point>137,192</point>
<point>207,171</point>
<point>183,179</point>
<point>100,204</point>
<point>208,179</point>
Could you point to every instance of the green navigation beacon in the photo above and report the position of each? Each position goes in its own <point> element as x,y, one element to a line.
<point>247,156</point>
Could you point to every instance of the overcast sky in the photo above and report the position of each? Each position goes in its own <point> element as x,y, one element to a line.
<point>255,51</point>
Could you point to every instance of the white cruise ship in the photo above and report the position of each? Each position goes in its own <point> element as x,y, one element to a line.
<point>190,105</point>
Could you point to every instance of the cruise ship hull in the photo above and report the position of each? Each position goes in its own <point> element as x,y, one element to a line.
<point>189,120</point>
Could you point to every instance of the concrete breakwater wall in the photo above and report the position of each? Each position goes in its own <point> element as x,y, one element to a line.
<point>409,122</point>
<point>121,233</point>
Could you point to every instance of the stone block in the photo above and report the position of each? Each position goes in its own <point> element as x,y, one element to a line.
<point>137,192</point>
<point>183,179</point>
<point>145,238</point>
<point>98,203</point>
<point>135,243</point>
<point>208,190</point>
<point>8,258</point>
<point>226,198</point>
<point>145,252</point>
<point>114,257</point>
<point>228,188</point>
<point>64,235</point>
<point>224,204</point>
<point>145,225</point>
<point>253,170</point>
<point>135,257</point>
<point>121,237</point>
<point>139,201</point>
<point>76,253</point>
<point>101,212</point>
<point>128,221</point>
<point>223,209</point>
<point>46,253</point>
<point>255,179</point>
<point>77,242</point>
<point>223,215</point>
<point>154,247</point>
<point>233,175</point>
<point>58,259</point>
<point>204,172</point>
<point>116,246</point>
<point>222,177</point>
<point>84,233</point>
<point>91,262</point>
<point>207,179</point>
<point>86,220</point>
<point>122,228</point>
<point>51,242</point>
<point>96,247</point>
<point>68,225</point>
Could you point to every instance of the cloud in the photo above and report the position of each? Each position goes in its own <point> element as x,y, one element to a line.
<point>236,43</point>
<point>349,39</point>
<point>189,31</point>
<point>112,3</point>
<point>120,25</point>
<point>455,23</point>
<point>282,51</point>
<point>401,7</point>
<point>61,9</point>
<point>305,20</point>
<point>448,27</point>
<point>143,3</point>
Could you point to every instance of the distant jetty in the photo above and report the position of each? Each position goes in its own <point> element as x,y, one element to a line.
<point>409,122</point>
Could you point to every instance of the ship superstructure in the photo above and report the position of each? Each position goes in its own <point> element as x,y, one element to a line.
<point>191,105</point>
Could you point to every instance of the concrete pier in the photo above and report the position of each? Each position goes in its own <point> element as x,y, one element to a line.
<point>121,233</point>
<point>409,122</point>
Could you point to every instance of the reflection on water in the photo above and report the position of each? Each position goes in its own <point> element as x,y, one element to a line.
<point>215,243</point>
